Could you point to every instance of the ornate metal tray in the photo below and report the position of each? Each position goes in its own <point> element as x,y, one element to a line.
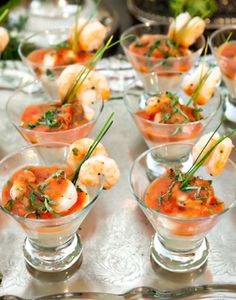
<point>116,237</point>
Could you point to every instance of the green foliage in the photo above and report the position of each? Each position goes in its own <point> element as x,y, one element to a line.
<point>201,8</point>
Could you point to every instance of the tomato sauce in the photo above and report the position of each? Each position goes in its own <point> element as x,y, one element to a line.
<point>60,57</point>
<point>158,47</point>
<point>227,59</point>
<point>51,117</point>
<point>196,200</point>
<point>32,180</point>
<point>167,110</point>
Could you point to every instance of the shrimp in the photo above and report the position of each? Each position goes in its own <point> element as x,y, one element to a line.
<point>154,104</point>
<point>78,150</point>
<point>19,186</point>
<point>219,157</point>
<point>198,147</point>
<point>191,83</point>
<point>185,30</point>
<point>95,85</point>
<point>62,191</point>
<point>90,36</point>
<point>99,165</point>
<point>178,23</point>
<point>191,31</point>
<point>4,39</point>
<point>89,113</point>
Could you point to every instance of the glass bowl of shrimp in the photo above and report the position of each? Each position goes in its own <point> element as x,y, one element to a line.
<point>38,118</point>
<point>43,191</point>
<point>157,47</point>
<point>182,217</point>
<point>170,113</point>
<point>47,53</point>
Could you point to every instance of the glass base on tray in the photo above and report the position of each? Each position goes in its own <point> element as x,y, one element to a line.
<point>179,261</point>
<point>53,259</point>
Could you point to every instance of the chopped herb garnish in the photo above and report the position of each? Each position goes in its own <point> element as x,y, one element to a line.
<point>49,73</point>
<point>58,174</point>
<point>75,151</point>
<point>10,204</point>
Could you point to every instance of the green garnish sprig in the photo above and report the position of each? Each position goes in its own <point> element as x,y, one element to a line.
<point>97,140</point>
<point>197,164</point>
<point>4,15</point>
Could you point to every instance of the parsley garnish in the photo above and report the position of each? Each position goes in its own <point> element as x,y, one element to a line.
<point>75,151</point>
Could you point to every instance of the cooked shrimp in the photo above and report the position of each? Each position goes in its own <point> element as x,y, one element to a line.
<point>62,191</point>
<point>4,38</point>
<point>191,81</point>
<point>89,113</point>
<point>95,85</point>
<point>78,150</point>
<point>198,147</point>
<point>219,157</point>
<point>99,165</point>
<point>191,32</point>
<point>154,104</point>
<point>185,30</point>
<point>90,37</point>
<point>209,86</point>
<point>178,23</point>
<point>19,186</point>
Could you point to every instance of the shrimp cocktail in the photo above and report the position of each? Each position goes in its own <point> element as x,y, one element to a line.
<point>183,195</point>
<point>223,46</point>
<point>49,189</point>
<point>160,48</point>
<point>177,116</point>
<point>49,52</point>
<point>77,104</point>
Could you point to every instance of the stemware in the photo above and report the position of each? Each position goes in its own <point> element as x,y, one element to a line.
<point>179,244</point>
<point>136,95</point>
<point>145,65</point>
<point>51,245</point>
<point>227,64</point>
<point>32,93</point>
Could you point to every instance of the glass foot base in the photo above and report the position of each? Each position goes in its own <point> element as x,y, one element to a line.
<point>54,259</point>
<point>181,261</point>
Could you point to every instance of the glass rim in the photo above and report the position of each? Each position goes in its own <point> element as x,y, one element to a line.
<point>20,89</point>
<point>143,205</point>
<point>155,24</point>
<point>212,36</point>
<point>72,216</point>
<point>169,125</point>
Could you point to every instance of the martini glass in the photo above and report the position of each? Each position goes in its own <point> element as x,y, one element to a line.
<point>154,133</point>
<point>42,41</point>
<point>32,94</point>
<point>227,64</point>
<point>144,65</point>
<point>179,244</point>
<point>51,245</point>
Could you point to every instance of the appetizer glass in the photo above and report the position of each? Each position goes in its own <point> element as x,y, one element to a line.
<point>154,133</point>
<point>179,244</point>
<point>33,94</point>
<point>146,65</point>
<point>227,65</point>
<point>51,245</point>
<point>43,40</point>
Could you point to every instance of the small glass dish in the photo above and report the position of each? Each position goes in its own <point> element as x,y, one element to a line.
<point>42,41</point>
<point>33,94</point>
<point>227,65</point>
<point>143,64</point>
<point>179,244</point>
<point>136,95</point>
<point>51,245</point>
